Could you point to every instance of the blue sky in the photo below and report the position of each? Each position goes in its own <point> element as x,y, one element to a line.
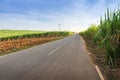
<point>73,15</point>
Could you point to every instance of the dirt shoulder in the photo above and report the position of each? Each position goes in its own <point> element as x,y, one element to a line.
<point>9,46</point>
<point>98,58</point>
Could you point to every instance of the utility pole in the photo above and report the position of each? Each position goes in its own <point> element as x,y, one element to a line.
<point>69,28</point>
<point>59,26</point>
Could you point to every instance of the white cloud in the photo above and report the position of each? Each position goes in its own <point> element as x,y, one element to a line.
<point>76,17</point>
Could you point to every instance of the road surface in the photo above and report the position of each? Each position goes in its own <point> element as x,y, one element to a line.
<point>64,59</point>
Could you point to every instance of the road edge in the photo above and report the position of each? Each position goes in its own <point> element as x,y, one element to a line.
<point>89,53</point>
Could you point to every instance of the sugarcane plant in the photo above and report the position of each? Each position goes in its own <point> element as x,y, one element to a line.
<point>108,36</point>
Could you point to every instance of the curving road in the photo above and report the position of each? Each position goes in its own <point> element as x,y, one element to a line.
<point>64,59</point>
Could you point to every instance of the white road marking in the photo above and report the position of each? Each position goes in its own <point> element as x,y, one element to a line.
<point>99,72</point>
<point>54,51</point>
<point>89,53</point>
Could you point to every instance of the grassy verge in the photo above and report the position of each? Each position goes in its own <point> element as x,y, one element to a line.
<point>99,59</point>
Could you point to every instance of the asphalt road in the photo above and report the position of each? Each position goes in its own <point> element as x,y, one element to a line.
<point>64,59</point>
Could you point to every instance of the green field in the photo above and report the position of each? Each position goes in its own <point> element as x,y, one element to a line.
<point>8,33</point>
<point>20,34</point>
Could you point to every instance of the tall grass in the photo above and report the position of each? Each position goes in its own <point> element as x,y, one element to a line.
<point>90,32</point>
<point>107,36</point>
